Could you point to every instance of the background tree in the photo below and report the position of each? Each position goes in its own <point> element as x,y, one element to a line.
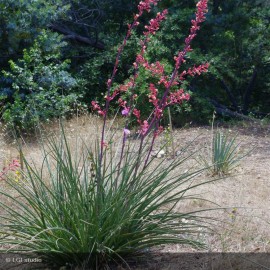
<point>42,86</point>
<point>235,40</point>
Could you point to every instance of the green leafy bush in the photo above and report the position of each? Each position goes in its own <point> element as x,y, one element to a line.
<point>43,87</point>
<point>198,110</point>
<point>23,21</point>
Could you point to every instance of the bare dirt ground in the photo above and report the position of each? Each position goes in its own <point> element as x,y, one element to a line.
<point>243,220</point>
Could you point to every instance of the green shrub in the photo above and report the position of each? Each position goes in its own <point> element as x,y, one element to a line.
<point>43,87</point>
<point>198,110</point>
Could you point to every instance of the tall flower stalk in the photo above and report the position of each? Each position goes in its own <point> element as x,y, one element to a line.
<point>142,7</point>
<point>168,98</point>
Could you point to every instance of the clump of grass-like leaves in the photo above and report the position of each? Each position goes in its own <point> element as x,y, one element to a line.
<point>223,155</point>
<point>62,215</point>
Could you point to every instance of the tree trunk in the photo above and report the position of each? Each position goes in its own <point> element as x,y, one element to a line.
<point>223,110</point>
<point>249,90</point>
<point>73,36</point>
<point>230,95</point>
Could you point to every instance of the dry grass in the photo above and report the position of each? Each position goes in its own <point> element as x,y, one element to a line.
<point>244,196</point>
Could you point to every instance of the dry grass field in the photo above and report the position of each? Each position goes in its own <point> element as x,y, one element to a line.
<point>241,199</point>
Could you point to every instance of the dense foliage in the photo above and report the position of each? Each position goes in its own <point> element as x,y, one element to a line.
<point>41,86</point>
<point>235,40</point>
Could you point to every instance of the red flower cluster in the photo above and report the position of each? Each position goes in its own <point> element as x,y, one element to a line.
<point>155,23</point>
<point>13,166</point>
<point>144,124</point>
<point>194,71</point>
<point>137,114</point>
<point>153,96</point>
<point>152,28</point>
<point>158,131</point>
<point>144,128</point>
<point>97,108</point>
<point>157,70</point>
<point>200,17</point>
<point>145,5</point>
<point>178,97</point>
<point>201,11</point>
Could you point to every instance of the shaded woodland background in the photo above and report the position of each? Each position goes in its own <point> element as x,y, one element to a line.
<point>56,56</point>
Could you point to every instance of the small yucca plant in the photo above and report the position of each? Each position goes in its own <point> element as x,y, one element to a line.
<point>223,155</point>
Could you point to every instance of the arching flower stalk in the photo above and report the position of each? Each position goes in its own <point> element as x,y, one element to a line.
<point>157,99</point>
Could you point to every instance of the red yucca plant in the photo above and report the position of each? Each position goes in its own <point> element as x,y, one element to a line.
<point>11,167</point>
<point>103,204</point>
<point>168,83</point>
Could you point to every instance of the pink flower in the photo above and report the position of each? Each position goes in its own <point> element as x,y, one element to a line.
<point>178,97</point>
<point>95,105</point>
<point>111,97</point>
<point>200,17</point>
<point>153,96</point>
<point>125,112</point>
<point>137,114</point>
<point>154,23</point>
<point>122,102</point>
<point>157,69</point>
<point>146,5</point>
<point>11,167</point>
<point>109,82</point>
<point>15,163</point>
<point>104,144</point>
<point>126,131</point>
<point>158,113</point>
<point>158,131</point>
<point>97,108</point>
<point>196,70</point>
<point>144,127</point>
<point>100,112</point>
